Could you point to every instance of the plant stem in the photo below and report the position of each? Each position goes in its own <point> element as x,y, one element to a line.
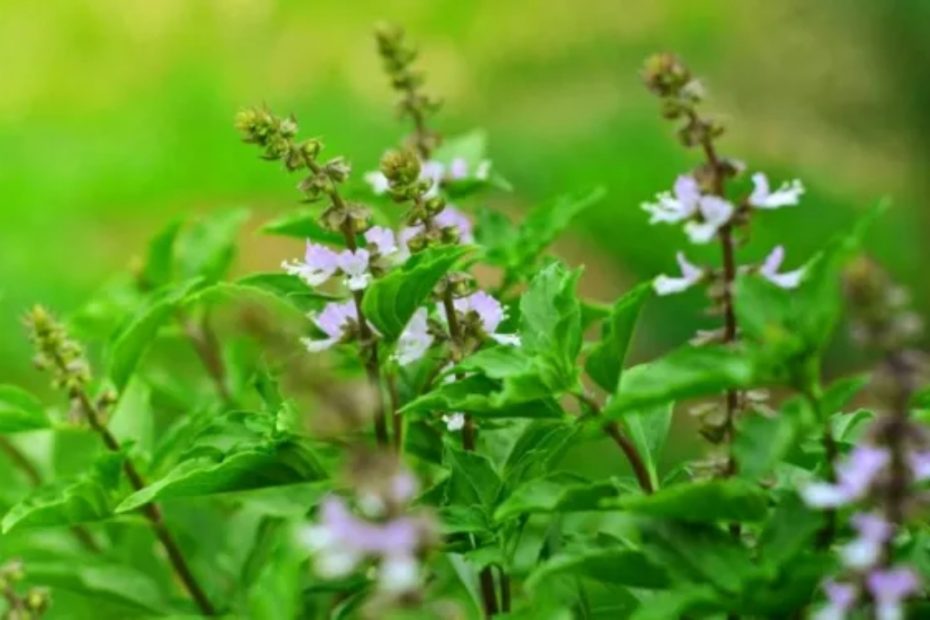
<point>367,342</point>
<point>396,418</point>
<point>486,577</point>
<point>624,443</point>
<point>150,511</point>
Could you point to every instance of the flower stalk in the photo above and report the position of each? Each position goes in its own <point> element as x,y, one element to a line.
<point>64,358</point>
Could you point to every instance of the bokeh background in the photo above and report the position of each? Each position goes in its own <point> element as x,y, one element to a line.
<point>116,116</point>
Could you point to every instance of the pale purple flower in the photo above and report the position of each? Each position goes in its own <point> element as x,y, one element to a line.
<point>318,266</point>
<point>490,313</point>
<point>690,275</point>
<point>769,270</point>
<point>920,464</point>
<point>382,239</point>
<point>334,320</point>
<point>788,195</point>
<point>865,550</point>
<point>675,206</point>
<point>340,542</point>
<point>889,589</point>
<point>415,340</point>
<point>715,213</point>
<point>450,217</point>
<point>355,267</point>
<point>840,600</point>
<point>454,421</point>
<point>854,477</point>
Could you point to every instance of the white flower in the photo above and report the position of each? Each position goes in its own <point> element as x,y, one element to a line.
<point>454,421</point>
<point>769,270</point>
<point>355,267</point>
<point>788,195</point>
<point>415,339</point>
<point>378,182</point>
<point>398,574</point>
<point>715,213</point>
<point>671,208</point>
<point>690,275</point>
<point>318,266</point>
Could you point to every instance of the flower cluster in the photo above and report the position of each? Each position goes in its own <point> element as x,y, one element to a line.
<point>386,534</point>
<point>57,352</point>
<point>703,215</point>
<point>29,606</point>
<point>883,470</point>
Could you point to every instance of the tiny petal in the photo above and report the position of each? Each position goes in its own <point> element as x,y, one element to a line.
<point>483,170</point>
<point>841,597</point>
<point>316,346</point>
<point>715,212</point>
<point>378,182</point>
<point>920,465</point>
<point>454,421</point>
<point>382,239</point>
<point>769,270</point>
<point>450,217</point>
<point>415,339</point>
<point>319,265</point>
<point>489,310</point>
<point>789,194</point>
<point>510,340</point>
<point>398,574</point>
<point>824,495</point>
<point>333,320</point>
<point>690,275</point>
<point>889,588</point>
<point>355,267</point>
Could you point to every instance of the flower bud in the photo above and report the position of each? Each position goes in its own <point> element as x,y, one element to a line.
<point>401,167</point>
<point>665,75</point>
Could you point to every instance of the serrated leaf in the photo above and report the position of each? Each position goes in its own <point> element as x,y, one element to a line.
<point>761,442</point>
<point>550,322</point>
<point>473,395</point>
<point>605,361</point>
<point>20,411</point>
<point>544,223</point>
<point>90,497</point>
<point>619,566</point>
<point>684,373</point>
<point>391,301</point>
<point>276,464</point>
<point>700,502</point>
<point>473,479</point>
<point>559,492</point>
<point>289,288</point>
<point>537,448</point>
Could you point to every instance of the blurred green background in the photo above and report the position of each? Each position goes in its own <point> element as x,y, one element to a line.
<point>116,115</point>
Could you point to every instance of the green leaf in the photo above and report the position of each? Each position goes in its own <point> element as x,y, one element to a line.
<point>648,429</point>
<point>275,464</point>
<point>559,492</point>
<point>474,395</point>
<point>20,411</point>
<point>207,248</point>
<point>131,343</point>
<point>90,497</point>
<point>544,223</point>
<point>840,392</point>
<point>101,580</point>
<point>685,373</point>
<point>541,444</point>
<point>699,502</point>
<point>615,566</point>
<point>391,301</point>
<point>290,288</point>
<point>550,320</point>
<point>696,553</point>
<point>605,361</point>
<point>302,224</point>
<point>159,261</point>
<point>789,531</point>
<point>473,479</point>
<point>761,442</point>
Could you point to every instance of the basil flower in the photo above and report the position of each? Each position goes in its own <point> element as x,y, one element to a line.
<point>690,275</point>
<point>788,195</point>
